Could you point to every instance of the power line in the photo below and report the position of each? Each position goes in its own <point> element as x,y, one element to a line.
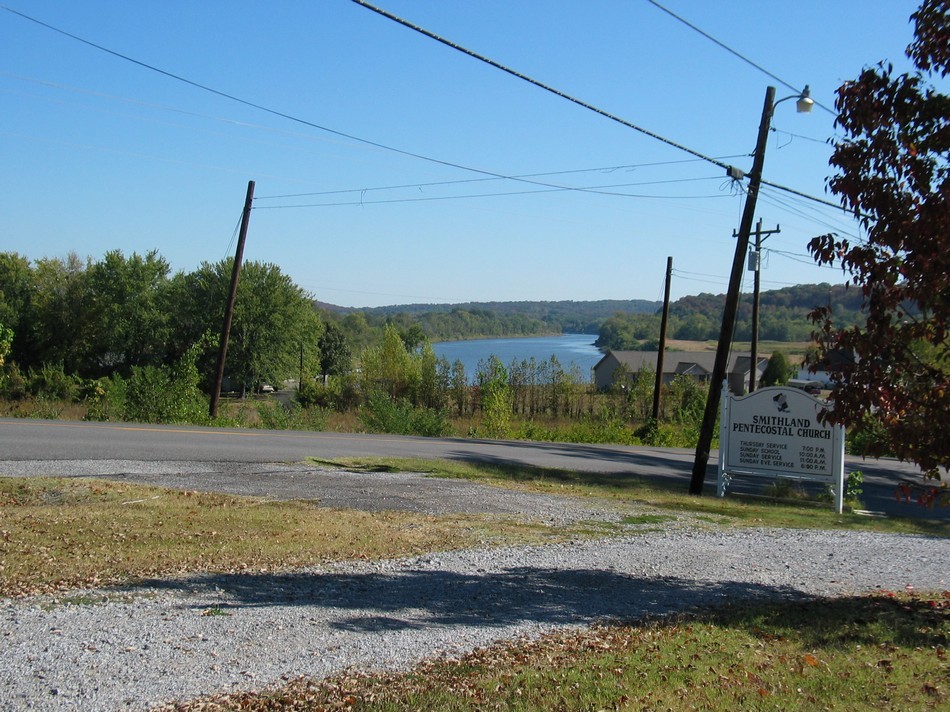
<point>540,85</point>
<point>557,92</point>
<point>606,169</point>
<point>393,149</point>
<point>434,198</point>
<point>737,54</point>
<point>268,110</point>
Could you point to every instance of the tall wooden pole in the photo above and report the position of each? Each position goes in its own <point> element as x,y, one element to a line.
<point>658,386</point>
<point>732,301</point>
<point>759,234</point>
<point>232,295</point>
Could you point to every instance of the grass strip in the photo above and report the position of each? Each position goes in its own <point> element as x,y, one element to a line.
<point>629,489</point>
<point>882,652</point>
<point>58,534</point>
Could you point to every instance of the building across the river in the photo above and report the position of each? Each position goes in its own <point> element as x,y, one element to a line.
<point>695,364</point>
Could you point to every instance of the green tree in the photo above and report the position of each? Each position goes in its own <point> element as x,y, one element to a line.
<point>6,342</point>
<point>389,367</point>
<point>17,286</point>
<point>127,298</point>
<point>273,318</point>
<point>893,173</point>
<point>496,397</point>
<point>778,370</point>
<point>59,313</point>
<point>335,356</point>
<point>459,388</point>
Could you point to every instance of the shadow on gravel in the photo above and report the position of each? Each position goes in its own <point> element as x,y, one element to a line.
<point>379,602</point>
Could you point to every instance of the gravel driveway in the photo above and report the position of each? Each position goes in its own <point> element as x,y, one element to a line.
<point>179,638</point>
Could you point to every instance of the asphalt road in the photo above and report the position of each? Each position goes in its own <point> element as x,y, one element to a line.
<point>47,440</point>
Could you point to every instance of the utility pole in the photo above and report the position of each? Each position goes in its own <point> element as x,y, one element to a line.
<point>759,232</point>
<point>662,347</point>
<point>232,295</point>
<point>732,300</point>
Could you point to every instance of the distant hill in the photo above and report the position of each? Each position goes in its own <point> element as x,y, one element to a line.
<point>470,320</point>
<point>783,316</point>
<point>621,324</point>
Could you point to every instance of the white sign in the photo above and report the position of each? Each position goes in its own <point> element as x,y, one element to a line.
<point>777,432</point>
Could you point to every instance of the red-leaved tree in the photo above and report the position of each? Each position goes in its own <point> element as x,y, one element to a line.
<point>892,172</point>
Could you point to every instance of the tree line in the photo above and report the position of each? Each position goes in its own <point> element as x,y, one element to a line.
<point>783,316</point>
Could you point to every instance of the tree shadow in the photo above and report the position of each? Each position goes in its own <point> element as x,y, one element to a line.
<point>676,481</point>
<point>411,598</point>
<point>870,621</point>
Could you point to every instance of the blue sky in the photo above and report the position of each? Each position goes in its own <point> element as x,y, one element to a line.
<point>98,153</point>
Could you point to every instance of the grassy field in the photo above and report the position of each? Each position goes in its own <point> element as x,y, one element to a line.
<point>882,652</point>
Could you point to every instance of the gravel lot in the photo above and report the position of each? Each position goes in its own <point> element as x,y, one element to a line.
<point>176,639</point>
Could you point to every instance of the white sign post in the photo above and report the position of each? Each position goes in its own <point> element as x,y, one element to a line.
<point>776,433</point>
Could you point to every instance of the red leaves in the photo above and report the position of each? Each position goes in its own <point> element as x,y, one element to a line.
<point>892,170</point>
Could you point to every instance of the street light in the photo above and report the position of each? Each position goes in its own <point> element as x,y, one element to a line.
<point>803,104</point>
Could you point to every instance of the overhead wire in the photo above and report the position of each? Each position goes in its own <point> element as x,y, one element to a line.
<point>729,49</point>
<point>599,190</point>
<point>605,169</point>
<point>411,154</point>
<point>540,85</point>
<point>557,92</point>
<point>274,112</point>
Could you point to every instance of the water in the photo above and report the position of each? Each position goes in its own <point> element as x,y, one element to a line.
<point>570,349</point>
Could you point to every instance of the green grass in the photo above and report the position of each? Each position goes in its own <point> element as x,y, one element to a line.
<point>631,490</point>
<point>882,652</point>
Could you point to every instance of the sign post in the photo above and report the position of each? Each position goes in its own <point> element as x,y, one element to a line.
<point>777,433</point>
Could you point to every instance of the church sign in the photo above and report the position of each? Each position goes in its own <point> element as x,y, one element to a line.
<point>776,433</point>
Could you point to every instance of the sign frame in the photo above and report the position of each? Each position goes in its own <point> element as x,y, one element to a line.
<point>777,433</point>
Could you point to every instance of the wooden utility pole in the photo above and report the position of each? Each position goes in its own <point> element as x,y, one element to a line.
<point>732,300</point>
<point>229,307</point>
<point>759,232</point>
<point>658,386</point>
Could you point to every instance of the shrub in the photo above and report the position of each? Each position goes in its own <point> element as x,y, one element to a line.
<point>167,394</point>
<point>104,398</point>
<point>385,415</point>
<point>14,384</point>
<point>52,382</point>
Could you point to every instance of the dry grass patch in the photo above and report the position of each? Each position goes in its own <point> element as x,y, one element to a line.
<point>57,534</point>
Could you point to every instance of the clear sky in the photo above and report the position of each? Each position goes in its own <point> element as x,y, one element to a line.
<point>99,153</point>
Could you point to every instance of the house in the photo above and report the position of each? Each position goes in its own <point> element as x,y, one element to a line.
<point>697,364</point>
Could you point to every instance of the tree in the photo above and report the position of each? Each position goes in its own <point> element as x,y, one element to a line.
<point>892,171</point>
<point>335,356</point>
<point>777,371</point>
<point>273,318</point>
<point>389,367</point>
<point>127,300</point>
<point>59,315</point>
<point>16,290</point>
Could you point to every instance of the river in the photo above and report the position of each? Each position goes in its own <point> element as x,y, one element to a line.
<point>571,350</point>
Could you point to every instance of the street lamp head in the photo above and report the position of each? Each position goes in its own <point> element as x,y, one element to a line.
<point>805,102</point>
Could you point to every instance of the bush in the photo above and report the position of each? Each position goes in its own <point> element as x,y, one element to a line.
<point>53,383</point>
<point>274,416</point>
<point>14,384</point>
<point>607,426</point>
<point>104,398</point>
<point>167,394</point>
<point>384,415</point>
<point>339,393</point>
